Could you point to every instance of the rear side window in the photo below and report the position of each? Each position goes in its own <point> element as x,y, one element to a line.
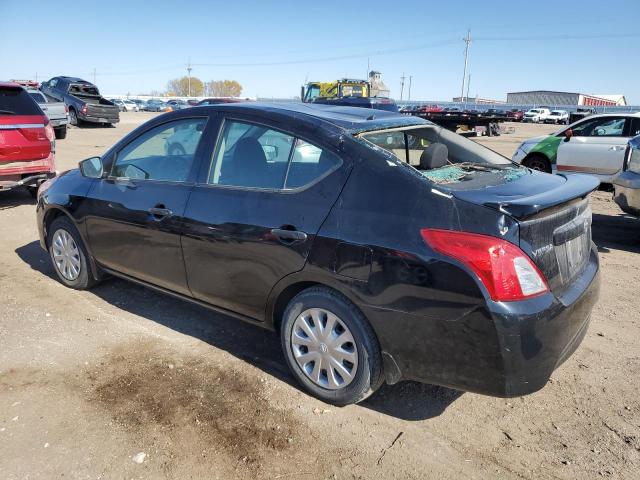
<point>38,97</point>
<point>635,127</point>
<point>309,163</point>
<point>165,152</point>
<point>251,156</point>
<point>256,156</point>
<point>16,101</point>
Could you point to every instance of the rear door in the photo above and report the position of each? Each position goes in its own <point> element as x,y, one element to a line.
<point>136,212</point>
<point>24,145</point>
<point>597,147</point>
<point>253,217</point>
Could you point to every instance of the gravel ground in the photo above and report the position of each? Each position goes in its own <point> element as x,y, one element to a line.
<point>122,382</point>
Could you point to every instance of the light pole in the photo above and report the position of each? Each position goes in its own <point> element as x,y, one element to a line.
<point>409,96</point>
<point>467,41</point>
<point>189,75</point>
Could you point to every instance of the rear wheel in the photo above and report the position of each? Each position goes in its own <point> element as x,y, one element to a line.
<point>330,347</point>
<point>61,132</point>
<point>68,255</point>
<point>538,162</point>
<point>73,117</point>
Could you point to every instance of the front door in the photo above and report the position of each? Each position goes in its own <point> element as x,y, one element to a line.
<point>136,212</point>
<point>596,147</point>
<point>253,219</point>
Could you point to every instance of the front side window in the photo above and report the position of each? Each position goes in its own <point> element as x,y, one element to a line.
<point>164,153</point>
<point>600,127</point>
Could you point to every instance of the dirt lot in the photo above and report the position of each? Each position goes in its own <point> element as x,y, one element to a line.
<point>121,382</point>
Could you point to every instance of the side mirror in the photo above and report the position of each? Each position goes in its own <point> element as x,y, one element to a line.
<point>568,134</point>
<point>91,167</point>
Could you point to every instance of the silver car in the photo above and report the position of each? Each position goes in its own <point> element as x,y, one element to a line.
<point>627,183</point>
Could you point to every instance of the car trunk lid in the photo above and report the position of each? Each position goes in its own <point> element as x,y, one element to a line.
<point>554,220</point>
<point>23,138</point>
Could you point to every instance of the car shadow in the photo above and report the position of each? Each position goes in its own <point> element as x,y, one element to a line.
<point>15,198</point>
<point>618,232</point>
<point>259,347</point>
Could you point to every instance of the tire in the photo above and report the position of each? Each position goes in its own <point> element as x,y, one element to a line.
<point>538,162</point>
<point>307,312</point>
<point>69,244</point>
<point>61,132</point>
<point>73,117</point>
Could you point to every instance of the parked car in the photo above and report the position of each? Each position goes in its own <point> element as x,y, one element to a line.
<point>536,115</point>
<point>495,112</point>
<point>142,104</point>
<point>193,102</point>
<point>217,101</point>
<point>372,263</point>
<point>627,183</point>
<point>125,105</point>
<point>580,113</point>
<point>27,140</point>
<point>177,104</point>
<point>558,117</point>
<point>594,145</point>
<point>155,105</point>
<point>56,112</point>
<point>515,114</point>
<point>83,100</point>
<point>430,109</point>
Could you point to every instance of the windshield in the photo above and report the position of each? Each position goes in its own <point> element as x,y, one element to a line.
<point>442,156</point>
<point>38,97</point>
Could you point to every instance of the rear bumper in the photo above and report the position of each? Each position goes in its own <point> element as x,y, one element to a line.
<point>98,119</point>
<point>60,122</point>
<point>627,192</point>
<point>503,349</point>
<point>27,173</point>
<point>30,181</point>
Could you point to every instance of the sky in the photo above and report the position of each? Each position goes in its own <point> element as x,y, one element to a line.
<point>273,47</point>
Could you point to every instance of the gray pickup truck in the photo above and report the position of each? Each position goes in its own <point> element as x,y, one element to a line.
<point>56,112</point>
<point>83,100</point>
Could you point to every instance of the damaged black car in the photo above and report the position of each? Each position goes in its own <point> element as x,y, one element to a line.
<point>378,247</point>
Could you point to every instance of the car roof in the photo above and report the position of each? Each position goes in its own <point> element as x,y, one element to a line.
<point>352,119</point>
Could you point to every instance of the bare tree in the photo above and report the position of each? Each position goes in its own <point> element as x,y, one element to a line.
<point>224,88</point>
<point>180,87</point>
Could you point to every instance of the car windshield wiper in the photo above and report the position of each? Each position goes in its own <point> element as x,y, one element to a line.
<point>7,112</point>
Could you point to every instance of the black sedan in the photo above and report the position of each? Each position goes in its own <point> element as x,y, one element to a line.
<point>379,247</point>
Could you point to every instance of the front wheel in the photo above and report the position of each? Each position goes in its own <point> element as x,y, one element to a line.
<point>538,162</point>
<point>68,255</point>
<point>330,347</point>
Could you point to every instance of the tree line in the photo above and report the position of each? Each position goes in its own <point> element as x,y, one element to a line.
<point>194,87</point>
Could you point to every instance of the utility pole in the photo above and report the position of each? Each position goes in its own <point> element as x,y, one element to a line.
<point>468,84</point>
<point>402,85</point>
<point>467,41</point>
<point>36,77</point>
<point>366,77</point>
<point>189,74</point>
<point>409,96</point>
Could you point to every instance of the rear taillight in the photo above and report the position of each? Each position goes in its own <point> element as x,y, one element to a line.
<point>504,269</point>
<point>83,110</point>
<point>66,108</point>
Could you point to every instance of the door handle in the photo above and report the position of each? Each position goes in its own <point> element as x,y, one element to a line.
<point>159,212</point>
<point>617,148</point>
<point>289,236</point>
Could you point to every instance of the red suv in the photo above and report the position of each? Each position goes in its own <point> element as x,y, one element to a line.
<point>27,140</point>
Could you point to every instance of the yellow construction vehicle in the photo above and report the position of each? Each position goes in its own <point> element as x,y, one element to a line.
<point>344,87</point>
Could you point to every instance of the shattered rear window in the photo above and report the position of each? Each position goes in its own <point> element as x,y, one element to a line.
<point>458,160</point>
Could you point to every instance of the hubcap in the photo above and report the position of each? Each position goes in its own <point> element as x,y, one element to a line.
<point>66,255</point>
<point>324,348</point>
